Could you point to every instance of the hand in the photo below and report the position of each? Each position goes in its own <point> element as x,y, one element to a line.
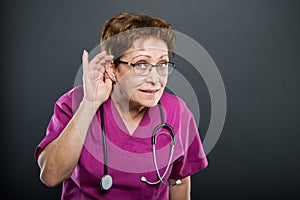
<point>96,89</point>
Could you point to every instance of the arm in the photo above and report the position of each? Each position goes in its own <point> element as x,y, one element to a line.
<point>58,160</point>
<point>181,191</point>
<point>60,157</point>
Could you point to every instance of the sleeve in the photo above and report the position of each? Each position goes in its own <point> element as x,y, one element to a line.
<point>62,114</point>
<point>192,157</point>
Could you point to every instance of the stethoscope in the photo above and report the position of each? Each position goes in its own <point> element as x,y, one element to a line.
<point>106,181</point>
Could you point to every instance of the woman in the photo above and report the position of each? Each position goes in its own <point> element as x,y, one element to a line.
<point>99,139</point>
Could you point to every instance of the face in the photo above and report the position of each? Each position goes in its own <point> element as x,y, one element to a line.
<point>142,90</point>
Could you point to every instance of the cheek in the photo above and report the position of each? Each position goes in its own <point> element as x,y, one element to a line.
<point>129,83</point>
<point>132,86</point>
<point>163,81</point>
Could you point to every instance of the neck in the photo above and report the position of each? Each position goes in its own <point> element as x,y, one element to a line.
<point>128,109</point>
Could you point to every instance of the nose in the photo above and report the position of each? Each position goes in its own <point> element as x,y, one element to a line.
<point>153,76</point>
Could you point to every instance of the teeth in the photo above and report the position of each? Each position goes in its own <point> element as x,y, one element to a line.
<point>150,91</point>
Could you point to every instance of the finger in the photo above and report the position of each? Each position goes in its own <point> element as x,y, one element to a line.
<point>107,79</point>
<point>101,73</point>
<point>95,61</point>
<point>99,66</point>
<point>85,59</point>
<point>102,70</point>
<point>107,76</point>
<point>109,58</point>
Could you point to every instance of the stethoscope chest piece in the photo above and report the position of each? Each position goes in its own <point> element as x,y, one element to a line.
<point>106,182</point>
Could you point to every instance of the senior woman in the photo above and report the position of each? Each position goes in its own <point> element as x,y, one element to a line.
<point>119,135</point>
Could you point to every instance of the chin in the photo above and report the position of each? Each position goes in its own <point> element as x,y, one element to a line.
<point>149,104</point>
<point>148,100</point>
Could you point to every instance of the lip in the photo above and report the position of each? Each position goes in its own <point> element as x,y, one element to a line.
<point>149,91</point>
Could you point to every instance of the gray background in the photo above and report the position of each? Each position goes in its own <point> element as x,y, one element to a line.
<point>255,45</point>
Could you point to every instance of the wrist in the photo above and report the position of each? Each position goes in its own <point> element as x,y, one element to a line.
<point>89,106</point>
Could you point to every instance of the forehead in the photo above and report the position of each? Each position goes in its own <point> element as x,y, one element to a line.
<point>149,46</point>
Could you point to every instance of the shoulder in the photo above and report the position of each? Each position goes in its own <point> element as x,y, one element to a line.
<point>172,102</point>
<point>72,93</point>
<point>70,99</point>
<point>175,109</point>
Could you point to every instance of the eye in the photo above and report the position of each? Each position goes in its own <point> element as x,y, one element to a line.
<point>163,65</point>
<point>141,65</point>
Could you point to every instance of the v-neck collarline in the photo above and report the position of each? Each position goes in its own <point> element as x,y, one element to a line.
<point>119,122</point>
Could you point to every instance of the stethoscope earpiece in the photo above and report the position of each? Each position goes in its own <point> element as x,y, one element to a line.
<point>143,179</point>
<point>177,182</point>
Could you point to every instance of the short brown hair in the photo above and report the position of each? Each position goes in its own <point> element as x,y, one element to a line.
<point>133,27</point>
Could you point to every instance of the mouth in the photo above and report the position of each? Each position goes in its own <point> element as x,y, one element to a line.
<point>149,91</point>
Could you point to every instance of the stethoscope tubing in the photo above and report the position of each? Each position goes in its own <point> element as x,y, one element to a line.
<point>154,133</point>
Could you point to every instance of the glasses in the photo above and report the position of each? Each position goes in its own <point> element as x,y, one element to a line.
<point>143,68</point>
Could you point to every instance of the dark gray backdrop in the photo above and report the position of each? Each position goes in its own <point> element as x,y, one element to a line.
<point>254,43</point>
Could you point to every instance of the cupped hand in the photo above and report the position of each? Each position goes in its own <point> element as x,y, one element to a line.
<point>97,85</point>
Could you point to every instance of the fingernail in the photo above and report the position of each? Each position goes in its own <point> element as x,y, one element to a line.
<point>84,52</point>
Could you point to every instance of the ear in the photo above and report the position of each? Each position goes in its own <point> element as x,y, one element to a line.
<point>111,71</point>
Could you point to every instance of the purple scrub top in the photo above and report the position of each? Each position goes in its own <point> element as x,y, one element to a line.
<point>129,156</point>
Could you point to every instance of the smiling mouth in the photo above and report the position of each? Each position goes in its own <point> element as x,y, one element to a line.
<point>150,91</point>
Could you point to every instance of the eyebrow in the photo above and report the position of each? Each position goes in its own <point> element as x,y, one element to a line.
<point>149,56</point>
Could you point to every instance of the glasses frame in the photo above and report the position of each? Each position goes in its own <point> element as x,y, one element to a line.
<point>155,65</point>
